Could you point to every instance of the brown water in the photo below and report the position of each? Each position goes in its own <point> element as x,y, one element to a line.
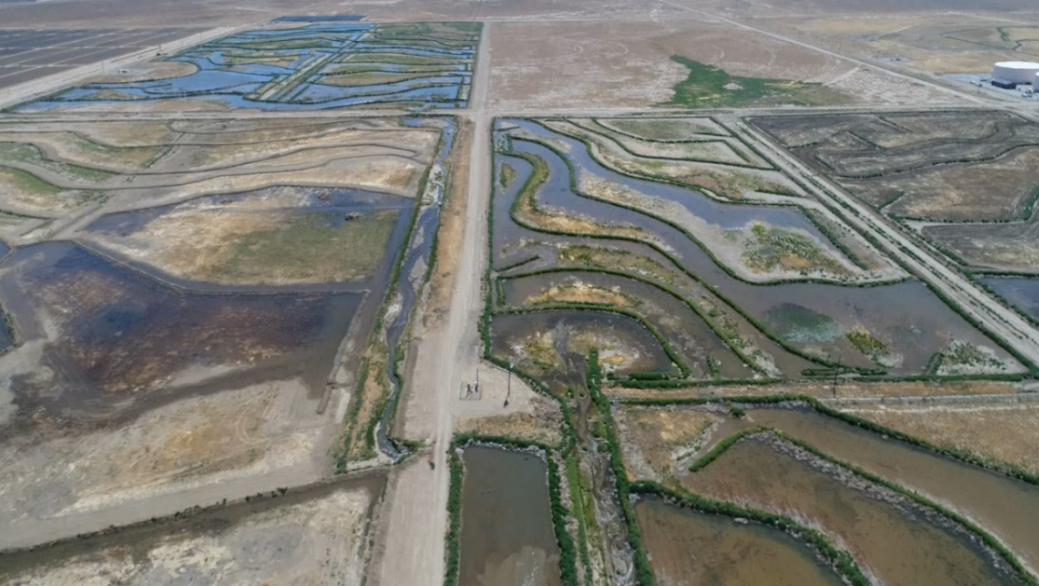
<point>507,537</point>
<point>894,540</point>
<point>1006,507</point>
<point>691,547</point>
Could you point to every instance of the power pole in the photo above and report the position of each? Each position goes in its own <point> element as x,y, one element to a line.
<point>836,373</point>
<point>508,388</point>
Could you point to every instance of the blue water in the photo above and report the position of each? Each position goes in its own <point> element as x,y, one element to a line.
<point>240,85</point>
<point>327,18</point>
<point>911,320</point>
<point>1022,292</point>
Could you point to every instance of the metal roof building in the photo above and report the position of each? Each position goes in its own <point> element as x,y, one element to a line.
<point>1013,73</point>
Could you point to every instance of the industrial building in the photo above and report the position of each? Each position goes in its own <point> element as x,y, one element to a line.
<point>1010,74</point>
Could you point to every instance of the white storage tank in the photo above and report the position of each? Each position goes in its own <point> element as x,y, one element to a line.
<point>1035,83</point>
<point>1013,73</point>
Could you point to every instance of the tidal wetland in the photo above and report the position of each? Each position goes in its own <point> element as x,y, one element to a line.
<point>195,328</point>
<point>304,66</point>
<point>373,300</point>
<point>667,257</point>
<point>830,296</point>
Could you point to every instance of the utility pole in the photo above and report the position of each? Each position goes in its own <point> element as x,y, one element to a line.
<point>508,388</point>
<point>836,373</point>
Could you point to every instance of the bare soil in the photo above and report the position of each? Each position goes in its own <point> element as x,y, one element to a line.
<point>629,63</point>
<point>311,536</point>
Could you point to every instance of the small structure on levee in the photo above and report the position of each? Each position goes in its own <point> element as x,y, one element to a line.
<point>1010,74</point>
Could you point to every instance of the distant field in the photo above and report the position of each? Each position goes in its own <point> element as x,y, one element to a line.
<point>682,62</point>
<point>314,66</point>
<point>28,54</point>
<point>939,43</point>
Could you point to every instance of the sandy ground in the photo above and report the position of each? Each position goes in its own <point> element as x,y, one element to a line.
<point>168,458</point>
<point>613,64</point>
<point>316,538</point>
<point>656,440</point>
<point>939,42</point>
<point>827,390</point>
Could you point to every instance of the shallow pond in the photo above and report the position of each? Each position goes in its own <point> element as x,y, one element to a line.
<point>898,542</point>
<point>113,337</point>
<point>1007,507</point>
<point>692,547</point>
<point>507,537</point>
<point>1021,291</point>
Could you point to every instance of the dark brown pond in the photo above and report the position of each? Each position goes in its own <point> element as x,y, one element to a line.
<point>691,547</point>
<point>1006,507</point>
<point>507,537</point>
<point>898,542</point>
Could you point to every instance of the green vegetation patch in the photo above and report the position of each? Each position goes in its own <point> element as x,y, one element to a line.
<point>400,58</point>
<point>661,129</point>
<point>708,86</point>
<point>867,343</point>
<point>771,247</point>
<point>367,78</point>
<point>964,356</point>
<point>27,183</point>
<point>136,156</point>
<point>17,152</point>
<point>108,94</point>
<point>311,247</point>
<point>797,323</point>
<point>607,258</point>
<point>508,173</point>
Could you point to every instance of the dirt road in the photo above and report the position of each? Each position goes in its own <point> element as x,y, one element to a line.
<point>416,505</point>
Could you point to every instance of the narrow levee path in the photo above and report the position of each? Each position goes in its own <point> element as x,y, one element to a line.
<point>416,504</point>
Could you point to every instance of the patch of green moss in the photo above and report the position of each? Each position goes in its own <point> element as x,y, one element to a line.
<point>17,152</point>
<point>797,323</point>
<point>867,343</point>
<point>771,247</point>
<point>27,182</point>
<point>707,86</point>
<point>508,173</point>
